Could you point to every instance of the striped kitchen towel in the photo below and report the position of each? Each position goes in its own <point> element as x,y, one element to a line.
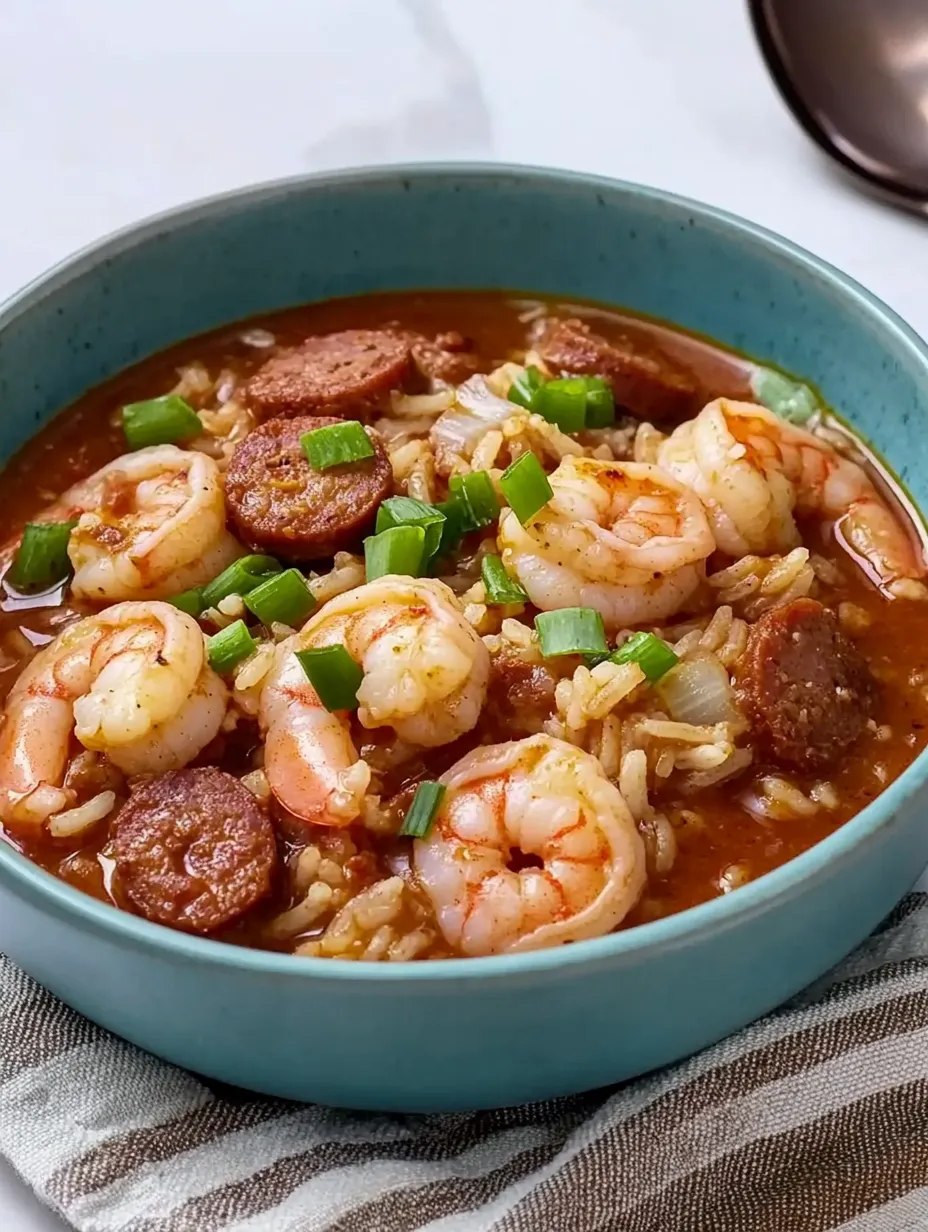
<point>814,1118</point>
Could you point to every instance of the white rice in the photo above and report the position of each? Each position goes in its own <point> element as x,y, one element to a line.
<point>74,821</point>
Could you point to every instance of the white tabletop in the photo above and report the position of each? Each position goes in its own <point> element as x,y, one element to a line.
<point>110,111</point>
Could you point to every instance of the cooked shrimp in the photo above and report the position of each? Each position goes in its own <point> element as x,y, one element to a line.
<point>622,537</point>
<point>132,682</point>
<point>151,523</point>
<point>425,676</point>
<point>752,471</point>
<point>537,801</point>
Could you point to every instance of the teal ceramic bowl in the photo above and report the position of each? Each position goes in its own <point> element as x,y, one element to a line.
<point>470,1033</point>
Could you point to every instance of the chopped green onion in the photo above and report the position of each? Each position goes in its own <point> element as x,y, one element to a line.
<point>600,403</point>
<point>334,675</point>
<point>406,511</point>
<point>572,402</point>
<point>230,646</point>
<point>523,389</point>
<point>465,513</point>
<point>159,421</point>
<point>526,487</point>
<point>241,576</point>
<point>571,630</point>
<point>563,402</point>
<point>788,399</point>
<point>423,810</point>
<point>457,523</point>
<point>189,601</point>
<point>42,556</point>
<point>479,496</point>
<point>336,445</point>
<point>653,656</point>
<point>499,586</point>
<point>284,598</point>
<point>401,550</point>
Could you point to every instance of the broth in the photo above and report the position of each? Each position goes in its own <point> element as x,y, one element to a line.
<point>721,843</point>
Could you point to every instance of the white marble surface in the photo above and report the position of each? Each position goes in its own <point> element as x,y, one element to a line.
<point>110,111</point>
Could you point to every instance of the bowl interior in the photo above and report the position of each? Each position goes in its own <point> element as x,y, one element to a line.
<point>560,234</point>
<point>475,227</point>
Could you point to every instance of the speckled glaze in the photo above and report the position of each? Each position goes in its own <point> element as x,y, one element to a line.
<point>484,1032</point>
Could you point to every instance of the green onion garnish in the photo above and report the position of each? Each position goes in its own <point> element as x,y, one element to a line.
<point>334,675</point>
<point>241,576</point>
<point>790,400</point>
<point>336,445</point>
<point>229,646</point>
<point>478,495</point>
<point>600,403</point>
<point>526,487</point>
<point>400,550</point>
<point>523,389</point>
<point>572,402</point>
<point>284,598</point>
<point>653,656</point>
<point>457,523</point>
<point>499,586</point>
<point>159,421</point>
<point>42,556</point>
<point>465,513</point>
<point>571,630</point>
<point>563,402</point>
<point>405,511</point>
<point>423,810</point>
<point>189,601</point>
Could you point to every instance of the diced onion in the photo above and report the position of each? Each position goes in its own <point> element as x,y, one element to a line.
<point>698,691</point>
<point>257,338</point>
<point>477,409</point>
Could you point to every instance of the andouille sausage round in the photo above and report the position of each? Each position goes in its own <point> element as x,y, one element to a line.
<point>805,686</point>
<point>345,374</point>
<point>279,504</point>
<point>193,849</point>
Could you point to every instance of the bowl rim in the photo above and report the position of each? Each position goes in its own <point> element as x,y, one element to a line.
<point>720,914</point>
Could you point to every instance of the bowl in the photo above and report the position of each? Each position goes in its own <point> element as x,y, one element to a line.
<point>480,1032</point>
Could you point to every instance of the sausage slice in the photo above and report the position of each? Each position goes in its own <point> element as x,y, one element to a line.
<point>279,504</point>
<point>349,372</point>
<point>193,849</point>
<point>446,358</point>
<point>646,384</point>
<point>520,695</point>
<point>806,687</point>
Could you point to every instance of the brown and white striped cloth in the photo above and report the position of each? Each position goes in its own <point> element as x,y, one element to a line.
<point>813,1118</point>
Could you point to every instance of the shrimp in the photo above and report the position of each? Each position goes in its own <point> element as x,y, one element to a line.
<point>533,801</point>
<point>425,676</point>
<point>622,537</point>
<point>132,682</point>
<point>150,524</point>
<point>754,471</point>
